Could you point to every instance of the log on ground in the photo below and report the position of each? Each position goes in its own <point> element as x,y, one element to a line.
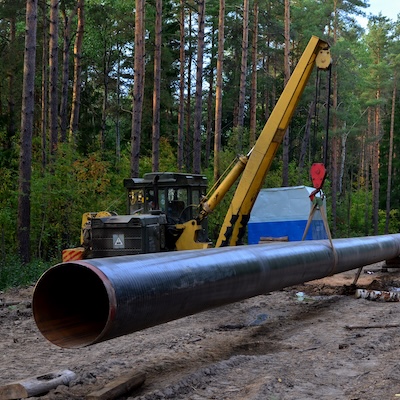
<point>36,385</point>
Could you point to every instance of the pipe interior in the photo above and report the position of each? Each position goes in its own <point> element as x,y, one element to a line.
<point>70,305</point>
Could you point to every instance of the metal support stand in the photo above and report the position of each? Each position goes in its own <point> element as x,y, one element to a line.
<point>318,206</point>
<point>358,273</point>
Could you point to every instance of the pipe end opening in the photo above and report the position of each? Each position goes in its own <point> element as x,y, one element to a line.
<point>70,305</point>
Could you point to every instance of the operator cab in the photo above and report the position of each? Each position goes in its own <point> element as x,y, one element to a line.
<point>157,204</point>
<point>177,195</point>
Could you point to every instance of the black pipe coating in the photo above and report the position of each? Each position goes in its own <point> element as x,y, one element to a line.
<point>80,303</point>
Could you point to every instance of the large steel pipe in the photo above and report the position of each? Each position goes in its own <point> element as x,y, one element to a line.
<point>80,303</point>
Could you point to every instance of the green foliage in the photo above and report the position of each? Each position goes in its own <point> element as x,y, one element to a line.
<point>75,185</point>
<point>360,215</point>
<point>14,273</point>
<point>394,221</point>
<point>8,211</point>
<point>168,160</point>
<point>310,17</point>
<point>60,197</point>
<point>216,219</point>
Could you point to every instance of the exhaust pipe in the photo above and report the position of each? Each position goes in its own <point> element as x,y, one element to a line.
<point>80,303</point>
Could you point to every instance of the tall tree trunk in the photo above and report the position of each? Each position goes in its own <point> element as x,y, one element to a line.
<point>333,165</point>
<point>375,167</point>
<point>53,78</point>
<point>390,158</point>
<point>76,89</point>
<point>367,163</point>
<point>27,113</point>
<point>11,126</point>
<point>243,72</point>
<point>67,24</point>
<point>45,84</point>
<point>305,141</point>
<point>157,87</point>
<point>104,108</point>
<point>343,152</point>
<point>181,110</point>
<point>199,89</point>
<point>286,138</point>
<point>267,90</point>
<point>117,122</point>
<point>218,90</point>
<point>253,101</point>
<point>335,149</point>
<point>189,131</point>
<point>210,98</point>
<point>138,88</point>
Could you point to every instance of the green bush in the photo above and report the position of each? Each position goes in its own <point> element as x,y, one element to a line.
<point>14,273</point>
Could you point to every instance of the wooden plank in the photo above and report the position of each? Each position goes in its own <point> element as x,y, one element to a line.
<point>118,387</point>
<point>268,239</point>
<point>35,385</point>
<point>385,326</point>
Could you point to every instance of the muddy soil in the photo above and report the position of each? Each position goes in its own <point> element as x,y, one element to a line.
<point>312,341</point>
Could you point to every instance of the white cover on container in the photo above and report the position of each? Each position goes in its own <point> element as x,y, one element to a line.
<point>283,204</point>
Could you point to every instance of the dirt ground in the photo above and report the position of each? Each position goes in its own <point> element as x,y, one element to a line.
<point>324,345</point>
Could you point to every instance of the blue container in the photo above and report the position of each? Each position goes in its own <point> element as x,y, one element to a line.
<point>281,212</point>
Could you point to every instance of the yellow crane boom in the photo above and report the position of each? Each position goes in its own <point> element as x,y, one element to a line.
<point>317,53</point>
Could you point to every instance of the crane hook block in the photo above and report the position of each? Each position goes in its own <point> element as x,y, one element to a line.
<point>318,174</point>
<point>323,59</point>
